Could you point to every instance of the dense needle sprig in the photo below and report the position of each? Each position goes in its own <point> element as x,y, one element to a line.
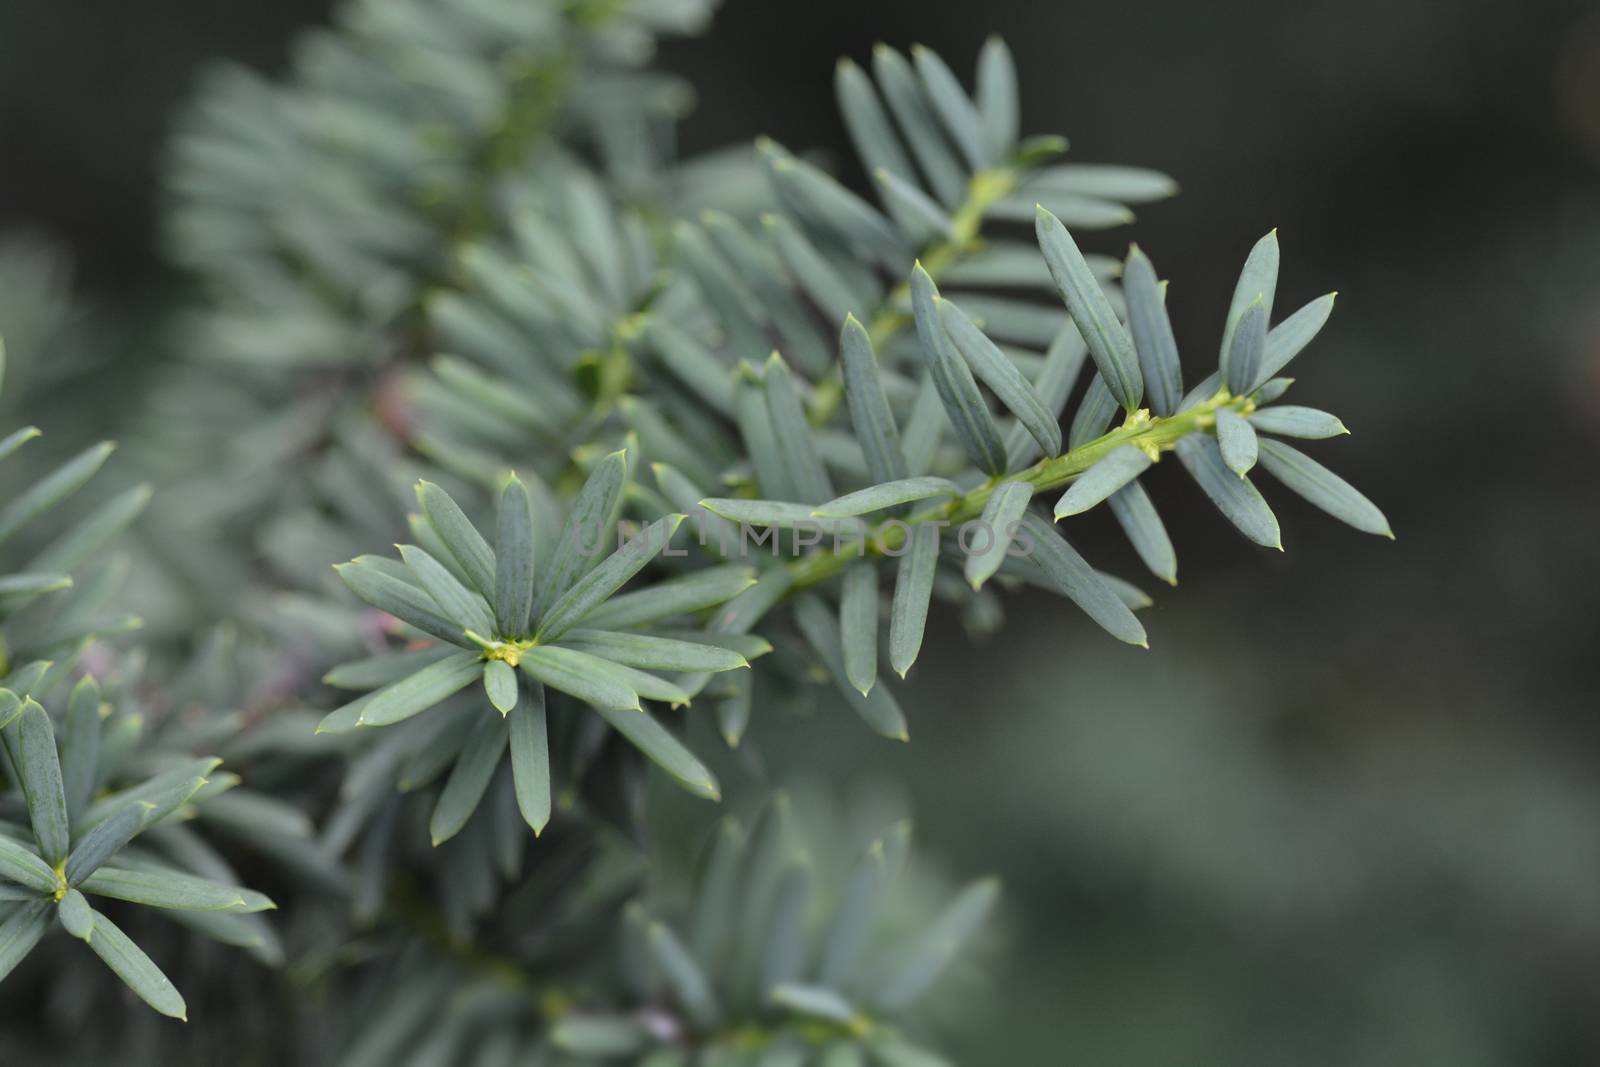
<point>633,423</point>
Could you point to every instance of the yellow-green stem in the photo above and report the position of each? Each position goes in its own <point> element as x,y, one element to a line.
<point>885,324</point>
<point>1152,435</point>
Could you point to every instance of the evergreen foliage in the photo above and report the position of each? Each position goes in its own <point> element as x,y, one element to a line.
<point>662,442</point>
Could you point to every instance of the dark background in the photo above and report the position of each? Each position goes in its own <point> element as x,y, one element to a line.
<point>1347,810</point>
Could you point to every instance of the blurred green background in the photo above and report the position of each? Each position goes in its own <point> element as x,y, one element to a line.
<point>1347,810</point>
